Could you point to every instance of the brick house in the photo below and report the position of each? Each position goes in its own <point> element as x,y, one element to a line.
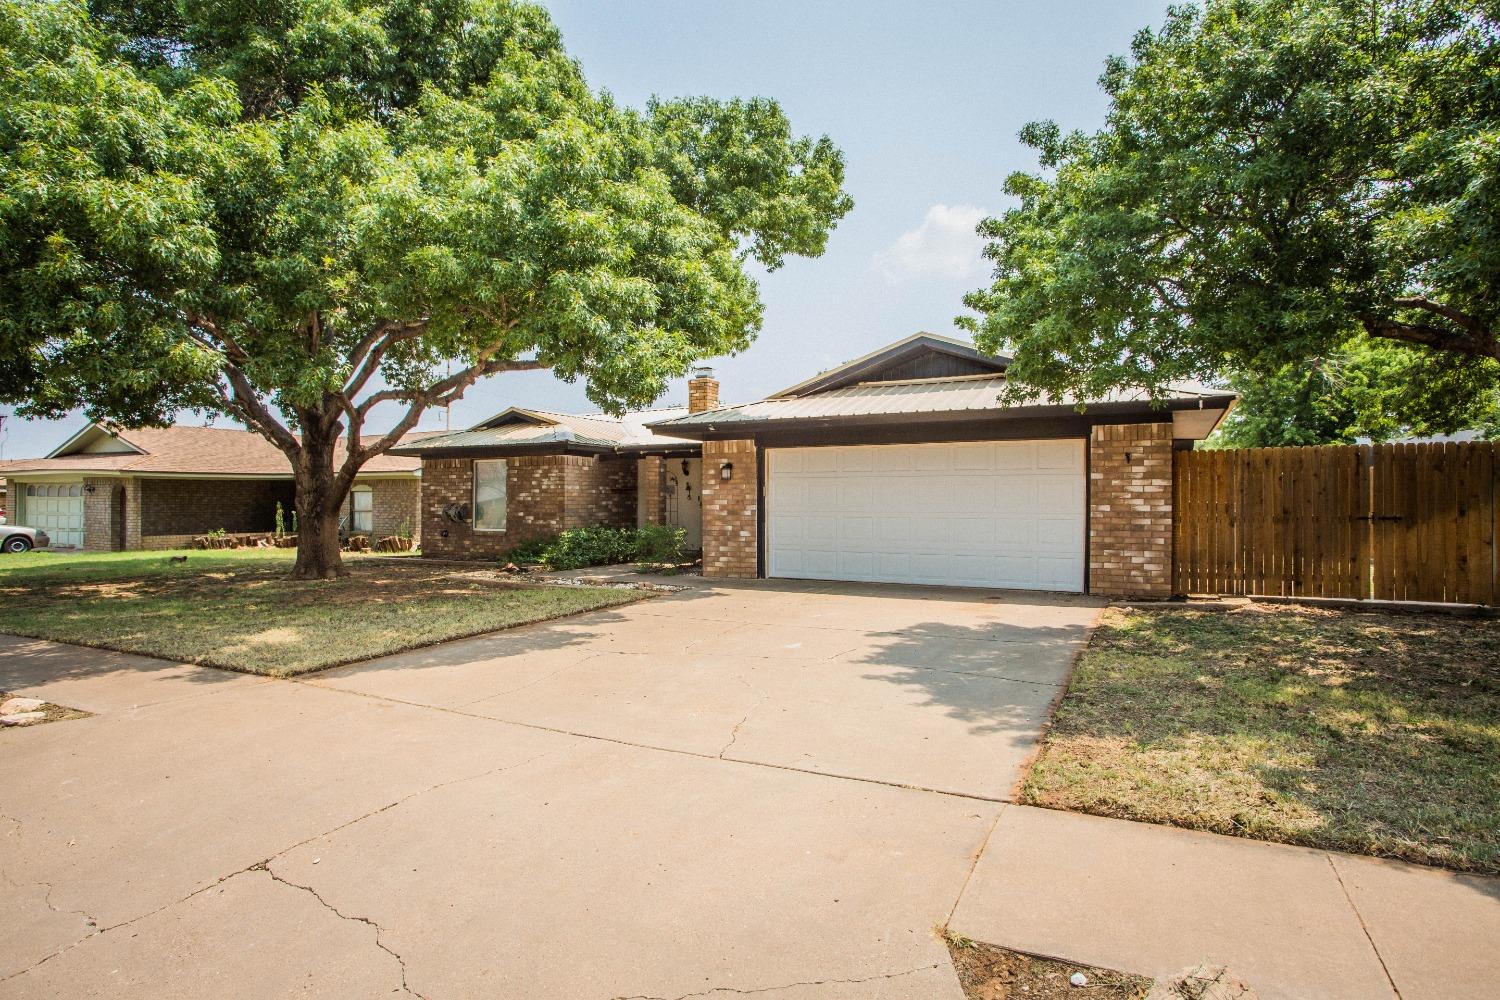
<point>107,489</point>
<point>900,466</point>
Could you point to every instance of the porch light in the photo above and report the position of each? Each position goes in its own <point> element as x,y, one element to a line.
<point>89,488</point>
<point>726,471</point>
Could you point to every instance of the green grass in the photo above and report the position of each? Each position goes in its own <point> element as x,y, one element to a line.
<point>237,609</point>
<point>1367,732</point>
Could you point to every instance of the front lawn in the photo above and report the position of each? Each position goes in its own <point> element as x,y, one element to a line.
<point>237,609</point>
<point>1361,731</point>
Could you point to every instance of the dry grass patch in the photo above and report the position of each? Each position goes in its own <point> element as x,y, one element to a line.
<point>1371,732</point>
<point>237,609</point>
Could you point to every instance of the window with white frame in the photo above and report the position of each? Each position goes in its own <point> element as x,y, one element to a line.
<point>362,510</point>
<point>489,495</point>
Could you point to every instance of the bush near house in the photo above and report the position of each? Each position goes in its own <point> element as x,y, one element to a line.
<point>602,546</point>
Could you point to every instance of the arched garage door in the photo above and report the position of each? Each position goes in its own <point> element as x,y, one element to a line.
<point>982,514</point>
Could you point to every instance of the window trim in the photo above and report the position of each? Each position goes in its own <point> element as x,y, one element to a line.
<point>474,495</point>
<point>354,511</point>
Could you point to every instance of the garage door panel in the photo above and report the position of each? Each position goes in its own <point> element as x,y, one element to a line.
<point>1059,494</point>
<point>1000,514</point>
<point>1015,456</point>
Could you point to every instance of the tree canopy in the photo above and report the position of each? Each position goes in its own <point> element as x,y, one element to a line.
<point>293,211</point>
<point>1282,188</point>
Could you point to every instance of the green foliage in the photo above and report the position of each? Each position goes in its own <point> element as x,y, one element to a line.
<point>280,520</point>
<point>1275,178</point>
<point>293,212</point>
<point>603,546</point>
<point>659,543</point>
<point>1367,389</point>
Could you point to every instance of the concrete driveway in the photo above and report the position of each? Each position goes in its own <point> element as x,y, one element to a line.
<point>765,787</point>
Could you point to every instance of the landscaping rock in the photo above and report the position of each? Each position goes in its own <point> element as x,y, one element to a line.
<point>22,718</point>
<point>357,543</point>
<point>13,706</point>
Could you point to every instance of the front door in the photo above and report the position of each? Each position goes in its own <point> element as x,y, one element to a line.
<point>684,499</point>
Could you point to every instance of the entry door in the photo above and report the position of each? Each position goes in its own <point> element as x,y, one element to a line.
<point>57,509</point>
<point>984,514</point>
<point>684,499</point>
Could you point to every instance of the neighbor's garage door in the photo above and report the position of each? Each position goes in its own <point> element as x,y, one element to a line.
<point>56,508</point>
<point>990,514</point>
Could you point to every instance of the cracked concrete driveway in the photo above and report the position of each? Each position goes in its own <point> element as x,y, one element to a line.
<point>767,787</point>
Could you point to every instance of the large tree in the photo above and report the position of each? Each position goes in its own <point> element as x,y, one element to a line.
<point>295,211</point>
<point>1280,185</point>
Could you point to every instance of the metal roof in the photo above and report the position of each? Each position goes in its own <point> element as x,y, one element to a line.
<point>917,342</point>
<point>963,394</point>
<point>517,427</point>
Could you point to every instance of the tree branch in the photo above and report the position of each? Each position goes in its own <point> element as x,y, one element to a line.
<point>1434,337</point>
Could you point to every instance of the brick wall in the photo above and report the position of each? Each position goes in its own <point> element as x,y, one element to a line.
<point>396,506</point>
<point>1130,510</point>
<point>182,508</point>
<point>103,523</point>
<point>534,506</point>
<point>731,535</point>
<point>651,496</point>
<point>132,513</point>
<point>598,491</point>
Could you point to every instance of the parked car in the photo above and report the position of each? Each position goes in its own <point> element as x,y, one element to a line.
<point>18,538</point>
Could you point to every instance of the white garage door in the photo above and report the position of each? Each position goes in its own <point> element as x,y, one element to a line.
<point>56,508</point>
<point>985,514</point>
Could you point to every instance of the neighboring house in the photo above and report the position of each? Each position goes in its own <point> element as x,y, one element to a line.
<point>900,466</point>
<point>107,489</point>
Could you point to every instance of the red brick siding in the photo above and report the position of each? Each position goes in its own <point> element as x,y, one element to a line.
<point>599,491</point>
<point>181,508</point>
<point>544,495</point>
<point>396,507</point>
<point>703,394</point>
<point>731,535</point>
<point>1130,510</point>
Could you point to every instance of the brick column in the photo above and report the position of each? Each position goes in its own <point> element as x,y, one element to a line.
<point>1130,510</point>
<point>651,496</point>
<point>131,530</point>
<point>731,534</point>
<point>102,530</point>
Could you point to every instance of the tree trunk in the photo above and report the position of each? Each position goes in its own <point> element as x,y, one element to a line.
<point>319,502</point>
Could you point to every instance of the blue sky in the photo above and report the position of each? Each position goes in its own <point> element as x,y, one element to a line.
<point>924,99</point>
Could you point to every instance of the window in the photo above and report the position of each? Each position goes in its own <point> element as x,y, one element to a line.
<point>489,495</point>
<point>362,508</point>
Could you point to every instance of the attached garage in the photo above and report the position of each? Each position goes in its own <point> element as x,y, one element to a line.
<point>1009,514</point>
<point>57,509</point>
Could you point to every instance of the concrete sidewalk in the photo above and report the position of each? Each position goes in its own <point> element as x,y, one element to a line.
<point>1293,923</point>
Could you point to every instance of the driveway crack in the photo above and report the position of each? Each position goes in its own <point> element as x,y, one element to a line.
<point>1363,926</point>
<point>353,918</point>
<point>782,986</point>
<point>264,865</point>
<point>734,733</point>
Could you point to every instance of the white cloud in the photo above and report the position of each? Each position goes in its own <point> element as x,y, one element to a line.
<point>944,246</point>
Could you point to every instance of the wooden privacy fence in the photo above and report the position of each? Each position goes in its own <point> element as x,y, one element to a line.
<point>1401,522</point>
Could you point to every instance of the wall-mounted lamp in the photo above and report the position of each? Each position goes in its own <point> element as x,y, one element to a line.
<point>89,488</point>
<point>1129,456</point>
<point>726,471</point>
<point>686,468</point>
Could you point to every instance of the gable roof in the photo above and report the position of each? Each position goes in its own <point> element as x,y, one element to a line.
<point>902,360</point>
<point>516,427</point>
<point>961,396</point>
<point>185,451</point>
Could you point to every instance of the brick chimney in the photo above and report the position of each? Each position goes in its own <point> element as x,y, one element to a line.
<point>703,391</point>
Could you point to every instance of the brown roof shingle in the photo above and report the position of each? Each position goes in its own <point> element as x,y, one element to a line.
<point>198,451</point>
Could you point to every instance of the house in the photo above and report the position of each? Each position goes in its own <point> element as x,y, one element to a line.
<point>900,466</point>
<point>107,489</point>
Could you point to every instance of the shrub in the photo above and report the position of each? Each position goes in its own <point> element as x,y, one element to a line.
<point>660,543</point>
<point>600,546</point>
